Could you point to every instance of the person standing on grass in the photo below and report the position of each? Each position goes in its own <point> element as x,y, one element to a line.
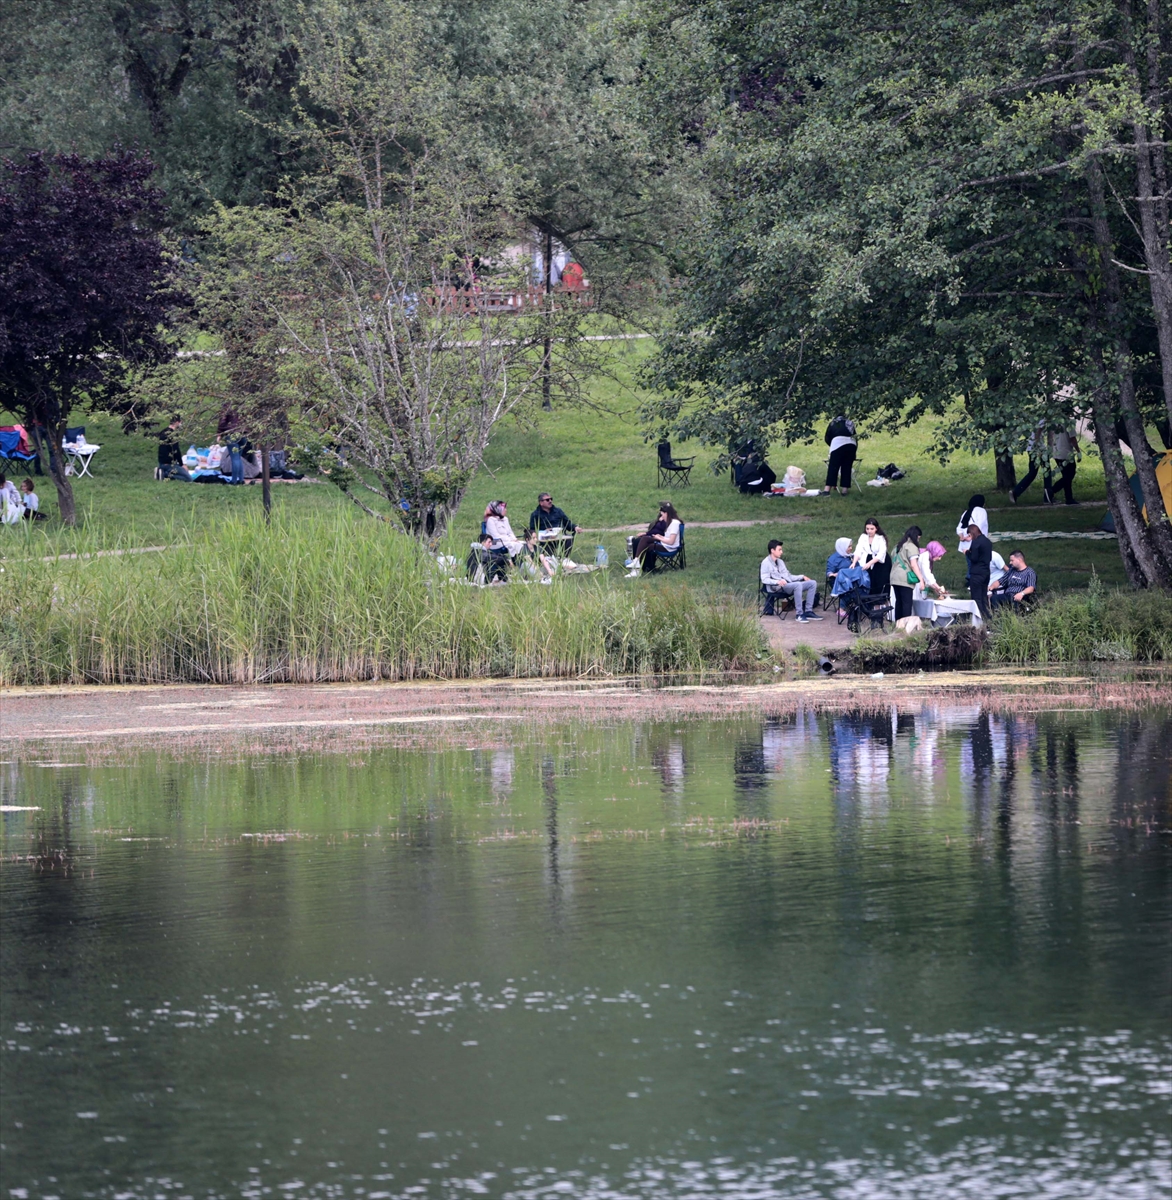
<point>980,567</point>
<point>1062,451</point>
<point>905,572</point>
<point>1015,585</point>
<point>871,555</point>
<point>840,437</point>
<point>779,581</point>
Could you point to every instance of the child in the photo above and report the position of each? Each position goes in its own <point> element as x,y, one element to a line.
<point>32,504</point>
<point>11,508</point>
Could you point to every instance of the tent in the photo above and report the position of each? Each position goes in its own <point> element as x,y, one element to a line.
<point>1163,478</point>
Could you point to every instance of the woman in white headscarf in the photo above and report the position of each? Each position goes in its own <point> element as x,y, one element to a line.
<point>497,530</point>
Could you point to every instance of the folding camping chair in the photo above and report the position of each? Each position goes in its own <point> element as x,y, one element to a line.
<point>670,560</point>
<point>673,470</point>
<point>862,607</point>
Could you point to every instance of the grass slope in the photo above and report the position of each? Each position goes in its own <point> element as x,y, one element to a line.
<point>598,467</point>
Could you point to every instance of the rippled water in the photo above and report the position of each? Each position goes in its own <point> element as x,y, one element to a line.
<point>847,955</point>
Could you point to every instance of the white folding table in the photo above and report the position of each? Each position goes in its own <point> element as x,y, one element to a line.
<point>944,612</point>
<point>81,455</point>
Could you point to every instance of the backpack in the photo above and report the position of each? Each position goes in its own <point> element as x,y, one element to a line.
<point>891,471</point>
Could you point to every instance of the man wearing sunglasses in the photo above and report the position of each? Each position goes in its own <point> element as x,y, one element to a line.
<point>547,516</point>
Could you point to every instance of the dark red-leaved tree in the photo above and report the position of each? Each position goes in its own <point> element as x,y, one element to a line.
<point>85,289</point>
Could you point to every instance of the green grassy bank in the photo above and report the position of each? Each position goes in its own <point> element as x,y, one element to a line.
<point>600,470</point>
<point>326,598</point>
<point>1095,625</point>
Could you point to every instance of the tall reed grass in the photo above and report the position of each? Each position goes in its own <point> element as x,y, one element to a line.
<point>330,599</point>
<point>1095,625</point>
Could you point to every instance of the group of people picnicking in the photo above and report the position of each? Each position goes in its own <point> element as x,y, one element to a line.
<point>873,567</point>
<point>19,504</point>
<point>544,547</point>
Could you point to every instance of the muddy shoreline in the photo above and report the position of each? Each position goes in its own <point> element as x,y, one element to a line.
<point>80,723</point>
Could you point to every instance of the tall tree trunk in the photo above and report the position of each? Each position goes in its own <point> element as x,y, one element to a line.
<point>1135,548</point>
<point>1159,526</point>
<point>266,492</point>
<point>1006,472</point>
<point>1152,194</point>
<point>57,465</point>
<point>546,403</point>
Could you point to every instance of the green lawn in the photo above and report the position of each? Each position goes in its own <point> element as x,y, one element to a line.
<point>599,469</point>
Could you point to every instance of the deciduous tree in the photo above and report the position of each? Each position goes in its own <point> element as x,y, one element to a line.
<point>85,290</point>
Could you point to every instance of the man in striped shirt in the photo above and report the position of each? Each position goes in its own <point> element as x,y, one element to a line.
<point>1016,584</point>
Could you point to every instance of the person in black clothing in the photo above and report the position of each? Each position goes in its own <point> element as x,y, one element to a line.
<point>170,458</point>
<point>980,567</point>
<point>840,437</point>
<point>548,516</point>
<point>751,473</point>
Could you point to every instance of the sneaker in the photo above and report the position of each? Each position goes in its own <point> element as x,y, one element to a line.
<point>813,616</point>
<point>1012,498</point>
<point>629,563</point>
<point>633,574</point>
<point>802,619</point>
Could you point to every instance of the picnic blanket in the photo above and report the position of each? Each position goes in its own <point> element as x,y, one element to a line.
<point>1037,535</point>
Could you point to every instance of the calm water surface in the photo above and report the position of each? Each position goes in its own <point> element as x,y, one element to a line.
<point>848,955</point>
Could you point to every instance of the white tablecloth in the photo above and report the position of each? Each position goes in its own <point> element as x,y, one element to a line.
<point>946,611</point>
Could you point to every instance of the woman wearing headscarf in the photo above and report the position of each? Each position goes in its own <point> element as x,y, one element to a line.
<point>497,530</point>
<point>931,553</point>
<point>841,568</point>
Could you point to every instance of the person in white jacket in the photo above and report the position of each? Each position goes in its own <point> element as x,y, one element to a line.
<point>497,530</point>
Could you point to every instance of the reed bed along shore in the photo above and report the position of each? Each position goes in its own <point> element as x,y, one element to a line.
<point>327,599</point>
<point>1098,625</point>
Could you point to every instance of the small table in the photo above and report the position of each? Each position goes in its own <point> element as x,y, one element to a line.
<point>556,540</point>
<point>82,454</point>
<point>944,612</point>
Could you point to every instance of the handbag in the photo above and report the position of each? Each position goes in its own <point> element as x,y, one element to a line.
<point>911,576</point>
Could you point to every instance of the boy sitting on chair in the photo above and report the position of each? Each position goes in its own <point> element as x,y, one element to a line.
<point>778,580</point>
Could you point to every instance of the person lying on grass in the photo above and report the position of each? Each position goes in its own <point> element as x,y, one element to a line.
<point>779,581</point>
<point>1015,585</point>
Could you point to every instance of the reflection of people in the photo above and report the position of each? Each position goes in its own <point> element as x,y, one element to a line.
<point>778,580</point>
<point>663,531</point>
<point>1016,584</point>
<point>980,566</point>
<point>840,437</point>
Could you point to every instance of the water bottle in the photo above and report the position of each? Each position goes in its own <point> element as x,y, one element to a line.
<point>600,558</point>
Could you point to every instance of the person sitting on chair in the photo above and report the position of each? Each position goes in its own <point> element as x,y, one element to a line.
<point>663,531</point>
<point>778,580</point>
<point>548,516</point>
<point>840,558</point>
<point>1015,585</point>
<point>498,531</point>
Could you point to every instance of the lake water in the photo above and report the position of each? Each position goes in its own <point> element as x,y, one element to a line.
<point>882,954</point>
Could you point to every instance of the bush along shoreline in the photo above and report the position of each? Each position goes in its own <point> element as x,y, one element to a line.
<point>1098,625</point>
<point>334,600</point>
